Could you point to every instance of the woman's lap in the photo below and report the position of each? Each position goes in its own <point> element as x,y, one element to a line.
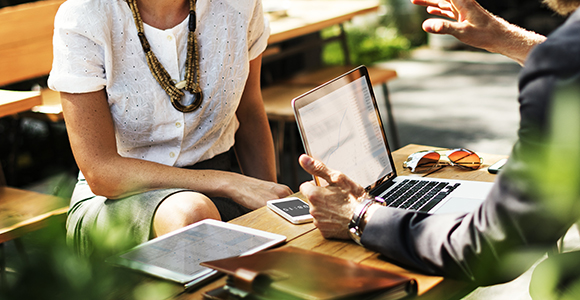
<point>96,216</point>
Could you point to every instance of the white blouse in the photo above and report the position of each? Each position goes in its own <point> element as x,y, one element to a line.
<point>96,46</point>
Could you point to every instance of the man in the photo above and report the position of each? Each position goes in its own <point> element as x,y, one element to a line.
<point>520,220</point>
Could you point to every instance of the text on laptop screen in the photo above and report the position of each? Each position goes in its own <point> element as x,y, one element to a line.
<point>342,130</point>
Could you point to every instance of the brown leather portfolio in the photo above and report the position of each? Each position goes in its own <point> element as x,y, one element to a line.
<point>294,273</point>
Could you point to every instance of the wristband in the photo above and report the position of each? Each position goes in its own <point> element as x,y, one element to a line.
<point>354,229</point>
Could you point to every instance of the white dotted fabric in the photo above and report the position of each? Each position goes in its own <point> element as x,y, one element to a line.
<point>96,46</point>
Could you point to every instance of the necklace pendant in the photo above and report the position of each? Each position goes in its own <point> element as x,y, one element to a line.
<point>180,85</point>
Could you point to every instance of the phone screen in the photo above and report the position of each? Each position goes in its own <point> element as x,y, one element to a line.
<point>294,208</point>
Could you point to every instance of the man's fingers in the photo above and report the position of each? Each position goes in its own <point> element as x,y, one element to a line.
<point>445,5</point>
<point>435,11</point>
<point>307,189</point>
<point>425,2</point>
<point>439,26</point>
<point>314,167</point>
<point>446,13</point>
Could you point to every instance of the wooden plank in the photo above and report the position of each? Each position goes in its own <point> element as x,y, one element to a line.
<point>24,211</point>
<point>449,172</point>
<point>318,77</point>
<point>305,17</point>
<point>430,287</point>
<point>50,109</point>
<point>26,40</point>
<point>314,241</point>
<point>277,100</point>
<point>425,283</point>
<point>267,220</point>
<point>26,31</point>
<point>13,102</point>
<point>345,249</point>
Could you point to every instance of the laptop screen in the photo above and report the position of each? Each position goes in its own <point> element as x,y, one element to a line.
<point>340,125</point>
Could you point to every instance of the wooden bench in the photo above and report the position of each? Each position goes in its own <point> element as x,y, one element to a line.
<point>23,211</point>
<point>277,93</point>
<point>26,32</point>
<point>13,102</point>
<point>378,76</point>
<point>26,53</point>
<point>26,50</point>
<point>277,102</point>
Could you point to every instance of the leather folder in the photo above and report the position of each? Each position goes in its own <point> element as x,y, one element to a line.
<point>294,273</point>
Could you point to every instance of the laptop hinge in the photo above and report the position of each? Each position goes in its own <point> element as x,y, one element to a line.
<point>382,187</point>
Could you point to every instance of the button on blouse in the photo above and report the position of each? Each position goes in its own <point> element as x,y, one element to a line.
<point>96,47</point>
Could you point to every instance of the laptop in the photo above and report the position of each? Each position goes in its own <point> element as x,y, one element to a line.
<point>340,125</point>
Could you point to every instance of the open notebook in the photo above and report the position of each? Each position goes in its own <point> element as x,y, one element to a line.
<point>340,125</point>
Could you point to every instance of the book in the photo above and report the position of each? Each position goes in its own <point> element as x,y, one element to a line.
<point>293,273</point>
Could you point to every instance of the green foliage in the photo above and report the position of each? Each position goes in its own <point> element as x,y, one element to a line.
<point>367,45</point>
<point>556,162</point>
<point>406,18</point>
<point>388,35</point>
<point>53,270</point>
<point>555,168</point>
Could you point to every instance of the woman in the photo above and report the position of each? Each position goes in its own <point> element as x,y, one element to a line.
<point>150,87</point>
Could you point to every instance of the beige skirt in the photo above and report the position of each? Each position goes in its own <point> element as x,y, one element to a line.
<point>93,219</point>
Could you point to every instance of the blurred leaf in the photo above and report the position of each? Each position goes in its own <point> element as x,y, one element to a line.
<point>558,173</point>
<point>367,45</point>
<point>53,270</point>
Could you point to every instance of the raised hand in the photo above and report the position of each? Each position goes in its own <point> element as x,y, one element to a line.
<point>474,25</point>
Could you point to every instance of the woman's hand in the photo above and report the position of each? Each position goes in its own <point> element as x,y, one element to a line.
<point>254,193</point>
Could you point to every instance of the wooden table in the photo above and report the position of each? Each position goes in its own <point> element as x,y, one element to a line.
<point>304,17</point>
<point>308,16</point>
<point>288,63</point>
<point>23,211</point>
<point>306,236</point>
<point>12,102</point>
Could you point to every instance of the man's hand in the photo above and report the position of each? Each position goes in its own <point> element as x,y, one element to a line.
<point>475,26</point>
<point>331,206</point>
<point>470,23</point>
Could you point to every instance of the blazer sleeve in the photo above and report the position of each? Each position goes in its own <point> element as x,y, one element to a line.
<point>519,221</point>
<point>495,243</point>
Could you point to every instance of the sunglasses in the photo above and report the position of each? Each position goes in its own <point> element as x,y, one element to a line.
<point>424,161</point>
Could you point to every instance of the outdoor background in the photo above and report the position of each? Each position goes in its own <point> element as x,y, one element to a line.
<point>446,94</point>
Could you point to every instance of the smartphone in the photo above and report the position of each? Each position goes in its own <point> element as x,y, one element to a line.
<point>494,169</point>
<point>292,209</point>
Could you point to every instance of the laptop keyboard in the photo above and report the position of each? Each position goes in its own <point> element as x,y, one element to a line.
<point>418,194</point>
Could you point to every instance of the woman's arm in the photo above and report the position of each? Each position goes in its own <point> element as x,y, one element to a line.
<point>92,137</point>
<point>254,145</point>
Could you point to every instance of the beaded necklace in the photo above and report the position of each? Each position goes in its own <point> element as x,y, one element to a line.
<point>171,87</point>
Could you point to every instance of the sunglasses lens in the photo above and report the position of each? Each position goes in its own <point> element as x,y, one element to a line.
<point>424,162</point>
<point>465,158</point>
